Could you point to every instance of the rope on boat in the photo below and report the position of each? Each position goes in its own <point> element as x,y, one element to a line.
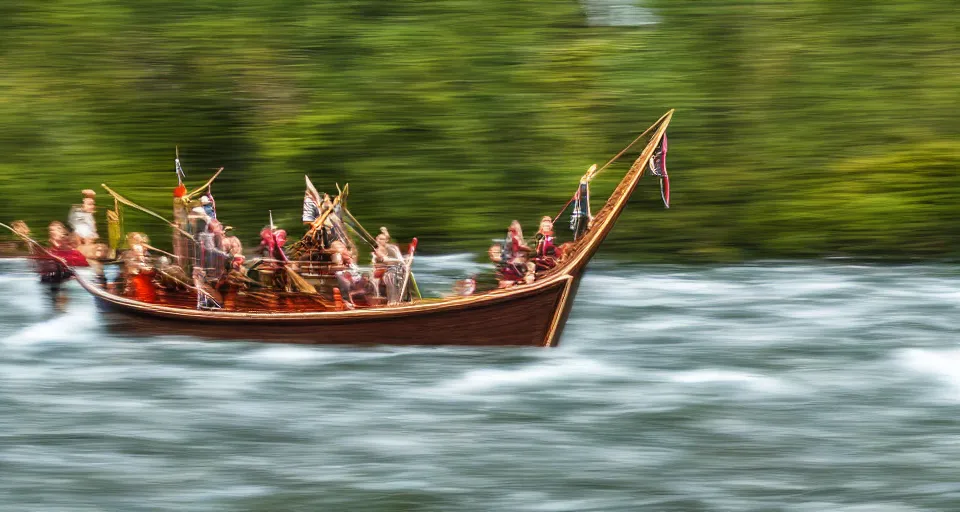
<point>557,216</point>
<point>205,185</point>
<point>594,171</point>
<point>593,174</point>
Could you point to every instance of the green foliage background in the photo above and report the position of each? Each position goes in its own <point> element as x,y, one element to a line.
<point>803,129</point>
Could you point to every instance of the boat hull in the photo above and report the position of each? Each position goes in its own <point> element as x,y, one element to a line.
<point>533,319</point>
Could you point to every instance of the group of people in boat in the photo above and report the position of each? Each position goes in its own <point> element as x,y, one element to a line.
<point>518,263</point>
<point>219,271</point>
<point>72,247</point>
<point>327,240</point>
<point>210,261</point>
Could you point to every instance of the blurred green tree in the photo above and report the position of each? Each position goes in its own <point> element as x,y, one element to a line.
<point>803,129</point>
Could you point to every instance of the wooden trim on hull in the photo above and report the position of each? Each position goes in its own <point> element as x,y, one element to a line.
<point>563,311</point>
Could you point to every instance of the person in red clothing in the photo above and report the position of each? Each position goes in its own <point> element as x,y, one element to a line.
<point>55,264</point>
<point>139,273</point>
<point>273,270</point>
<point>546,252</point>
<point>512,259</point>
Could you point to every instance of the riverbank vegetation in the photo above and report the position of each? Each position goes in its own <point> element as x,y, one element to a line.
<point>803,129</point>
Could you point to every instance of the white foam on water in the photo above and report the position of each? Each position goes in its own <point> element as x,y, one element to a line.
<point>668,290</point>
<point>17,278</point>
<point>182,342</point>
<point>633,286</point>
<point>711,376</point>
<point>67,327</point>
<point>940,365</point>
<point>573,505</point>
<point>23,293</point>
<point>201,494</point>
<point>537,374</point>
<point>287,355</point>
<point>306,354</point>
<point>222,383</point>
<point>938,292</point>
<point>667,323</point>
<point>885,506</point>
<point>391,445</point>
<point>822,284</point>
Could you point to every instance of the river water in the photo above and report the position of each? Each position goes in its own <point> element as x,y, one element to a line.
<point>780,386</point>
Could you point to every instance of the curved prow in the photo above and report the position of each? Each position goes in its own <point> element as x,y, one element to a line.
<point>603,221</point>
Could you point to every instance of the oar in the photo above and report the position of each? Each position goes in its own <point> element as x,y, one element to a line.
<point>407,265</point>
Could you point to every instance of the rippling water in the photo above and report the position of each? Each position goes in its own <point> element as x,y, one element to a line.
<point>758,387</point>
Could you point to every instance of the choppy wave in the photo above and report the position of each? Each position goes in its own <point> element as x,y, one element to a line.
<point>536,375</point>
<point>939,366</point>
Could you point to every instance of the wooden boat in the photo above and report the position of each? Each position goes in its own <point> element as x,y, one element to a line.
<point>528,314</point>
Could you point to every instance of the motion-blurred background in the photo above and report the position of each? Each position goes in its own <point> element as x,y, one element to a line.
<point>803,128</point>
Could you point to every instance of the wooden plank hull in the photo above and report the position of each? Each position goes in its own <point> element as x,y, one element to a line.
<point>529,320</point>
